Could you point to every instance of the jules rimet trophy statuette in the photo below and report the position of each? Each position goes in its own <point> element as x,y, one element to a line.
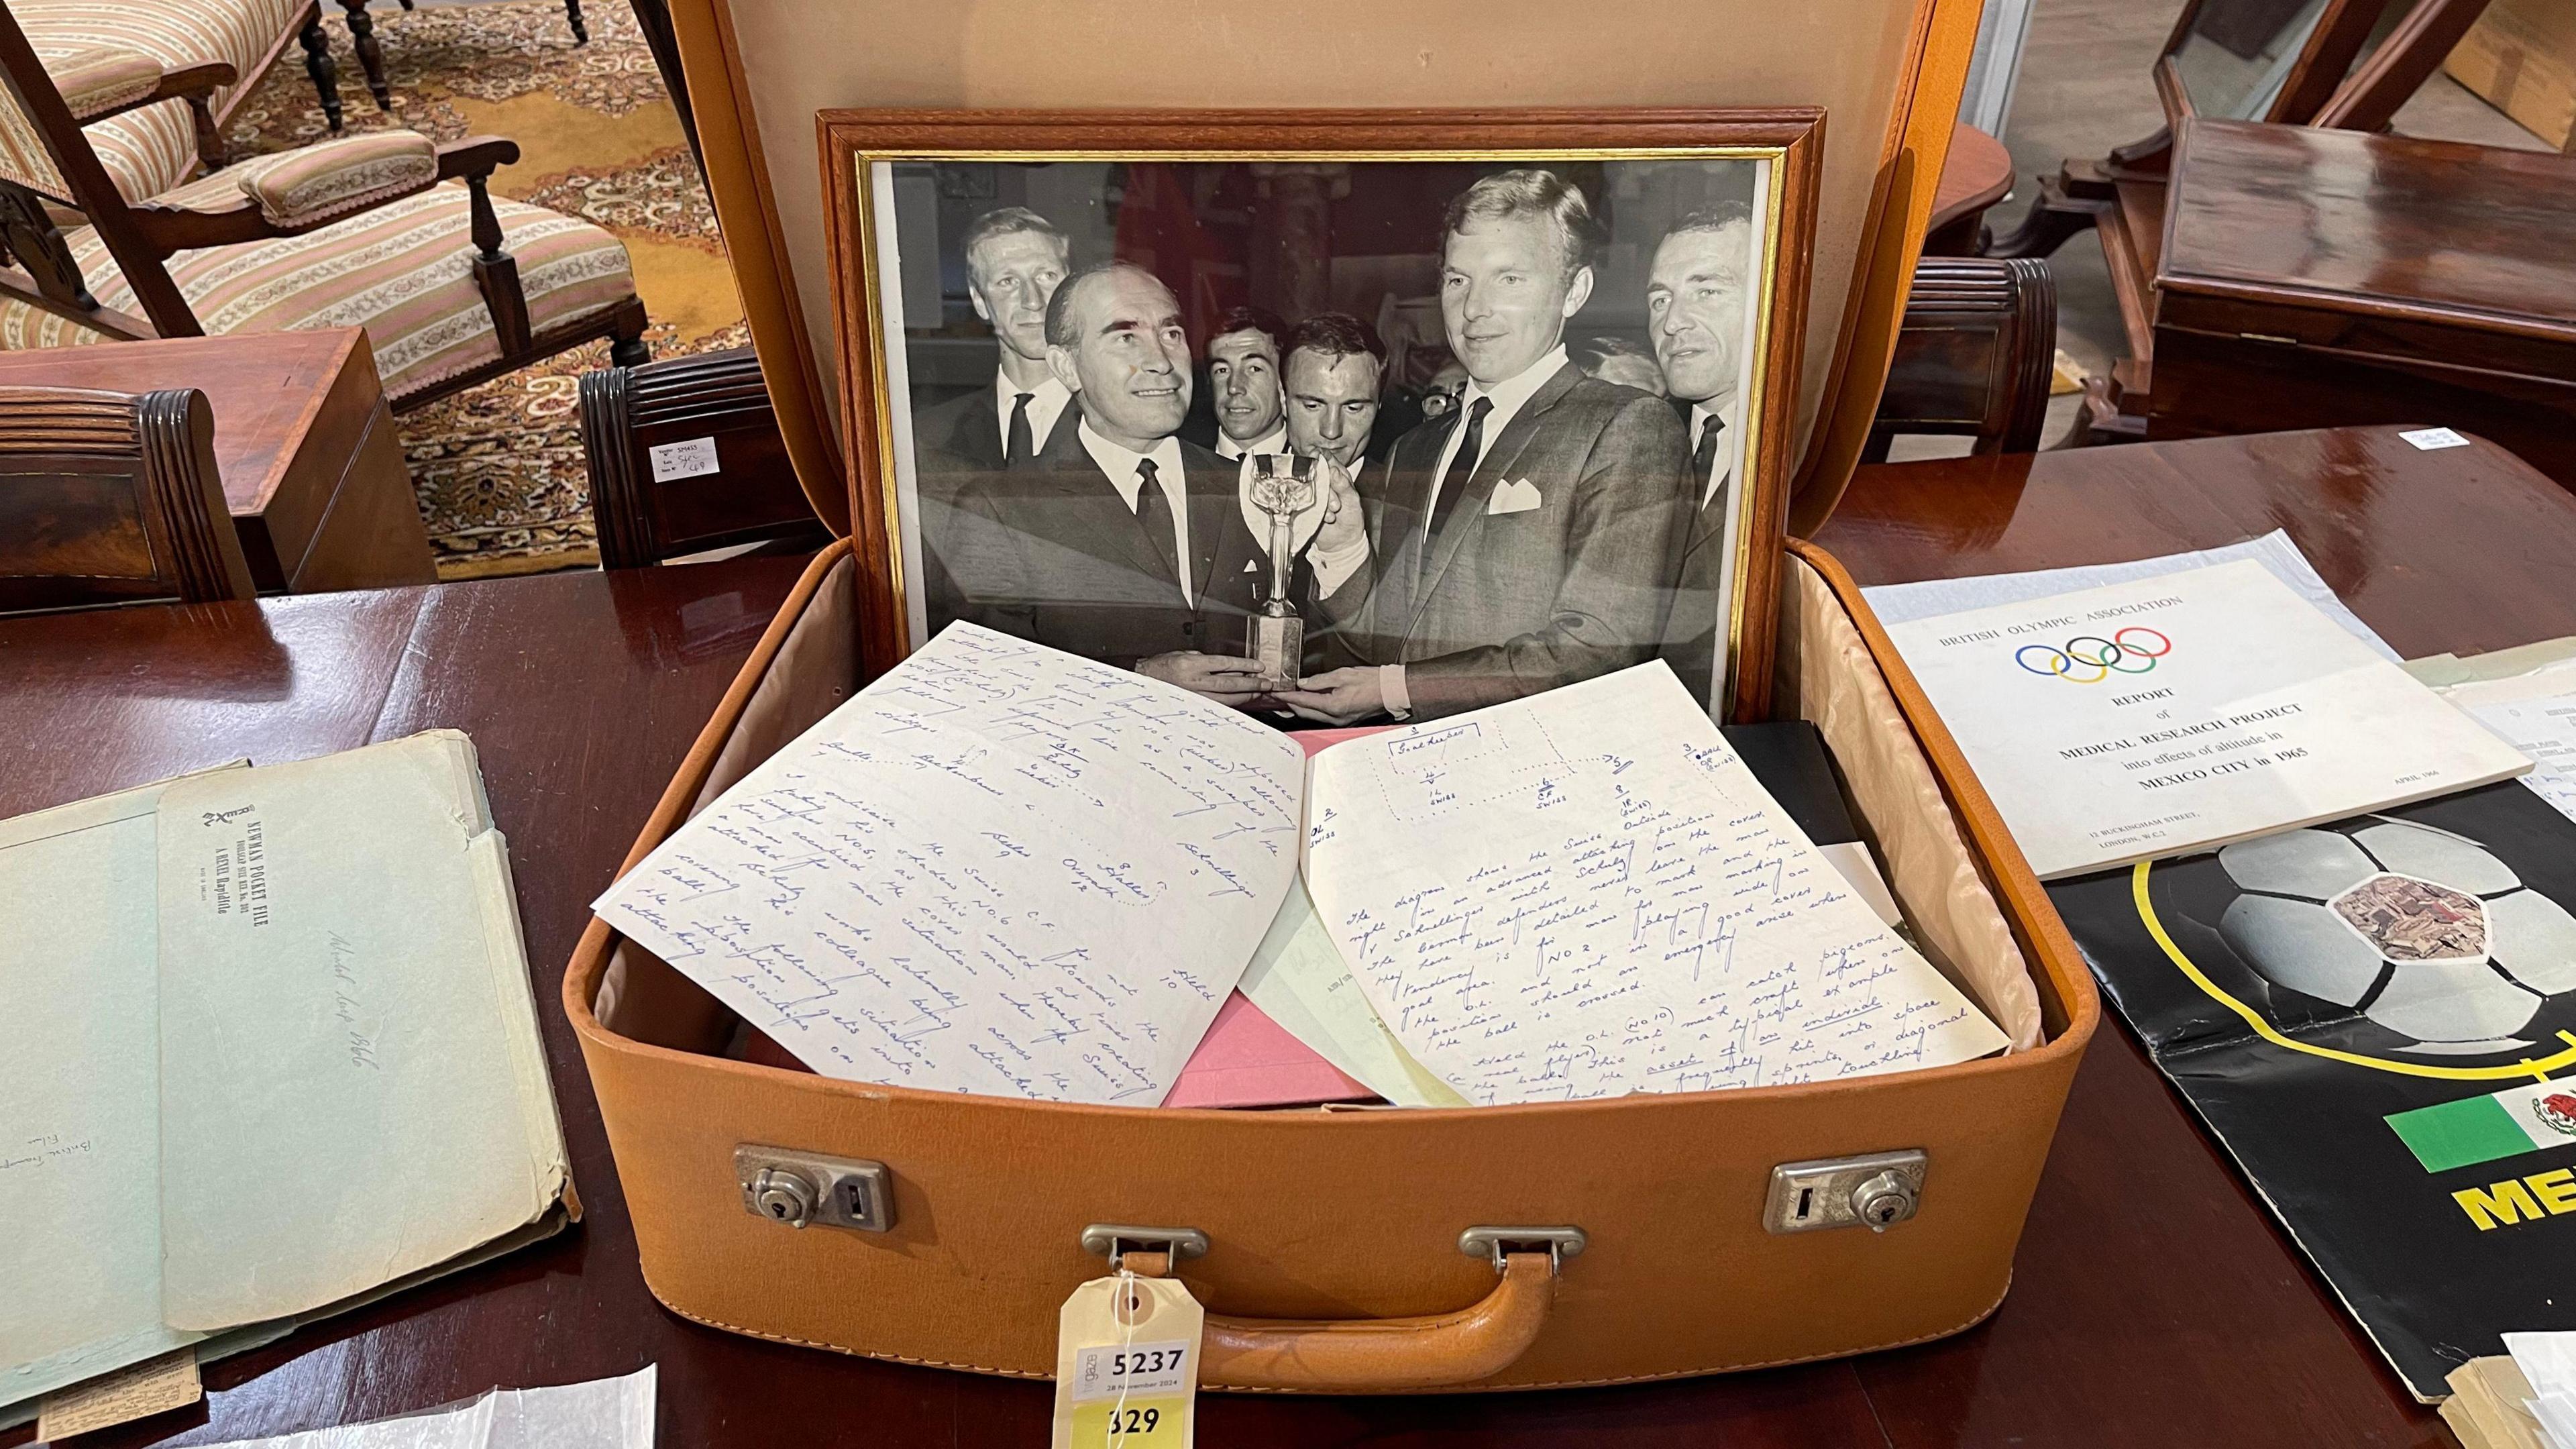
<point>1285,489</point>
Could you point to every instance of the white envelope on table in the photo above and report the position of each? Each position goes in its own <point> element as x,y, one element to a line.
<point>1514,497</point>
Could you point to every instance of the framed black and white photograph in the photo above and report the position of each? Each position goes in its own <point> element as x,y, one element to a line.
<point>1337,419</point>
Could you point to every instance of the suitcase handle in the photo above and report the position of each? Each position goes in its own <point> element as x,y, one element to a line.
<point>1359,1355</point>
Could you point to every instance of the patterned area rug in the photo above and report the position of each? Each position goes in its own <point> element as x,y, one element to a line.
<point>498,469</point>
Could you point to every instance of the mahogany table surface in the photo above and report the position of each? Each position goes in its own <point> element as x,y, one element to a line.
<point>264,388</point>
<point>2154,1302</point>
<point>300,434</point>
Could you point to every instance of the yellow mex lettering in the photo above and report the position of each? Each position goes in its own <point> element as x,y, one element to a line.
<point>2519,1200</point>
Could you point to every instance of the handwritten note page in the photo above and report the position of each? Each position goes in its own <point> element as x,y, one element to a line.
<point>1000,868</point>
<point>1584,894</point>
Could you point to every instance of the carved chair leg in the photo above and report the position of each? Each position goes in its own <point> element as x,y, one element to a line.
<point>371,55</point>
<point>324,71</point>
<point>496,272</point>
<point>572,13</point>
<point>629,349</point>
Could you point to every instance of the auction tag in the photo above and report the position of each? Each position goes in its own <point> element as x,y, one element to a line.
<point>154,1386</point>
<point>1127,1365</point>
<point>694,458</point>
<point>2428,439</point>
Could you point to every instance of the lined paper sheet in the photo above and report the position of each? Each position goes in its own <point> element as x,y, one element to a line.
<point>997,869</point>
<point>1585,893</point>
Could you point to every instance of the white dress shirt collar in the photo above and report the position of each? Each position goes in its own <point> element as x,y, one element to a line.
<point>1729,443</point>
<point>1118,463</point>
<point>1046,404</point>
<point>1511,394</point>
<point>1275,441</point>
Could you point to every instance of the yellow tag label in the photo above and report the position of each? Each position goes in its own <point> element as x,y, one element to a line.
<point>154,1386</point>
<point>1127,1365</point>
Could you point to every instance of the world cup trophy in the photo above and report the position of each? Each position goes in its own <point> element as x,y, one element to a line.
<point>1278,635</point>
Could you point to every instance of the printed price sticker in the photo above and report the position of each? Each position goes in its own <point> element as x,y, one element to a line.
<point>1133,1398</point>
<point>1145,1368</point>
<point>694,458</point>
<point>1127,1372</point>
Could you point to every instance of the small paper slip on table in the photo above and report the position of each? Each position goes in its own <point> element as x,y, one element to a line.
<point>1352,1251</point>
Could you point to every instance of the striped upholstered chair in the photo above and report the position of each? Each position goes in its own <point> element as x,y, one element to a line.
<point>152,148</point>
<point>385,230</point>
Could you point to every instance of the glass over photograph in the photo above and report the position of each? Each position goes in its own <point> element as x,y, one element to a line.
<point>1332,442</point>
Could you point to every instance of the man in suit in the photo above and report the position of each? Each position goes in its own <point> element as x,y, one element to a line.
<point>1243,382</point>
<point>1333,369</point>
<point>1122,542</point>
<point>1335,372</point>
<point>1015,259</point>
<point>1528,540</point>
<point>1698,292</point>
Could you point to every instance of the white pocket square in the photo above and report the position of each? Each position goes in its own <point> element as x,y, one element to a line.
<point>1250,567</point>
<point>1514,497</point>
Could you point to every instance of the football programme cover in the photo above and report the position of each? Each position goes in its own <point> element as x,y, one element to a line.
<point>2377,1018</point>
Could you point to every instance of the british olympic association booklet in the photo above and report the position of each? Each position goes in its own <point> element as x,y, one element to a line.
<point>2176,713</point>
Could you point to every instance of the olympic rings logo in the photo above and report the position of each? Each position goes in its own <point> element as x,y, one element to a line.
<point>2126,652</point>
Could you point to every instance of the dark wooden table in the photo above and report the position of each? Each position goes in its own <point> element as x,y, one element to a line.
<point>311,462</point>
<point>2154,1303</point>
<point>2316,278</point>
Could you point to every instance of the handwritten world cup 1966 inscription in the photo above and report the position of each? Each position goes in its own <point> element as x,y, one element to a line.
<point>1538,920</point>
<point>997,869</point>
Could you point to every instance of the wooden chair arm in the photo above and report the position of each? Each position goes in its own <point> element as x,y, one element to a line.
<point>476,157</point>
<point>171,229</point>
<point>194,83</point>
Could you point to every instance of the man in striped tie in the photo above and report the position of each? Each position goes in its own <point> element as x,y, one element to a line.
<point>1015,259</point>
<point>1697,295</point>
<point>1122,542</point>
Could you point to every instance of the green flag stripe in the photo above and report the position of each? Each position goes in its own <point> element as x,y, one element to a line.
<point>2456,1134</point>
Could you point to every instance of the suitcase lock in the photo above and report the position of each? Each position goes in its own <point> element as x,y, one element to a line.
<point>798,1188</point>
<point>1874,1190</point>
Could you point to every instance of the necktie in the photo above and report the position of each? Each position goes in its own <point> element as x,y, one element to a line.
<point>1154,515</point>
<point>1462,466</point>
<point>1017,450</point>
<point>1706,453</point>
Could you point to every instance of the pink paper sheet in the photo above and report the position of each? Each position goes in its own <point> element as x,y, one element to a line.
<point>1248,1060</point>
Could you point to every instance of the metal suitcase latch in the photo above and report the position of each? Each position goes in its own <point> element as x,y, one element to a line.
<point>798,1188</point>
<point>1874,1190</point>
<point>1115,1241</point>
<point>1561,1243</point>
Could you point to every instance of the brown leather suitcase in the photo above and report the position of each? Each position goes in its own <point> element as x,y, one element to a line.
<point>1333,1256</point>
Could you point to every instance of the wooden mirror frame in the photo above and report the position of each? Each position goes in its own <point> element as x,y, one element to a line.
<point>2342,29</point>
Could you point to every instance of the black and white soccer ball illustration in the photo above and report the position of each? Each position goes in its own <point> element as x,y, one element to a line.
<point>2425,933</point>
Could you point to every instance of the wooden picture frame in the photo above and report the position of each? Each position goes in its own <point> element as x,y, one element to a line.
<point>1645,147</point>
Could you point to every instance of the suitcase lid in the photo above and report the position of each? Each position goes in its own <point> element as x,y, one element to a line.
<point>1890,79</point>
